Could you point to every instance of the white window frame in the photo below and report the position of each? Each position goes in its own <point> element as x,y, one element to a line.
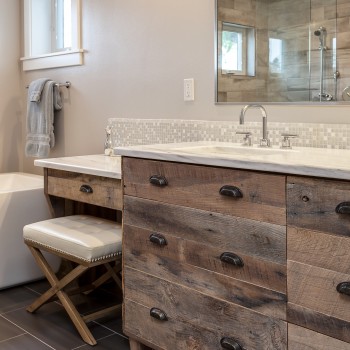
<point>247,49</point>
<point>70,57</point>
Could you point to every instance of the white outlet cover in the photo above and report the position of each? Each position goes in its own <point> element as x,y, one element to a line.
<point>189,89</point>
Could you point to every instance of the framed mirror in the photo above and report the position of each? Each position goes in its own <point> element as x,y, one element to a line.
<point>282,51</point>
<point>52,35</point>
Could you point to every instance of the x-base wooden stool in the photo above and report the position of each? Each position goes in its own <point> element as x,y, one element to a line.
<point>85,240</point>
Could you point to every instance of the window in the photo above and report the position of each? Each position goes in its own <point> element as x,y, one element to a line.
<point>51,34</point>
<point>237,49</point>
<point>275,55</point>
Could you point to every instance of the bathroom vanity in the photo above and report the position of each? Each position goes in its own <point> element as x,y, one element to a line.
<point>233,248</point>
<point>88,184</point>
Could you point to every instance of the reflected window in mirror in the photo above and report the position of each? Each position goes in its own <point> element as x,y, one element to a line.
<point>237,49</point>
<point>52,34</point>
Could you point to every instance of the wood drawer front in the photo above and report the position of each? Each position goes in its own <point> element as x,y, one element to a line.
<point>300,338</point>
<point>319,249</point>
<point>107,192</point>
<point>257,239</point>
<point>312,203</point>
<point>252,330</point>
<point>315,288</point>
<point>198,187</point>
<point>170,262</point>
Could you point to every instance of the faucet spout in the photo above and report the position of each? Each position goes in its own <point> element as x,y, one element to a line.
<point>264,142</point>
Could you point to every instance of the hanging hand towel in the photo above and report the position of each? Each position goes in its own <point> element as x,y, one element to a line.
<point>43,99</point>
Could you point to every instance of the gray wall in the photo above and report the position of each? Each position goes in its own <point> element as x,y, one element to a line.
<point>137,54</point>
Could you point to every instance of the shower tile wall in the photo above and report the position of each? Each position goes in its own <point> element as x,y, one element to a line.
<point>288,20</point>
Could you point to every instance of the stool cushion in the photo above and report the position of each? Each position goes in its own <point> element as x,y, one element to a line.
<point>85,237</point>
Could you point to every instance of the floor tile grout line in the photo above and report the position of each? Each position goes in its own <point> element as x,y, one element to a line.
<point>16,336</point>
<point>99,339</point>
<point>115,332</point>
<point>28,332</point>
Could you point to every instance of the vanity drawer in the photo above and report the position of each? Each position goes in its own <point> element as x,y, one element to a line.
<point>188,319</point>
<point>300,338</point>
<point>213,241</point>
<point>319,249</point>
<point>263,195</point>
<point>315,289</point>
<point>259,239</point>
<point>173,262</point>
<point>313,204</point>
<point>97,190</point>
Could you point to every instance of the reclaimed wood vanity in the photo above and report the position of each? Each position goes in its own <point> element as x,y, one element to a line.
<point>235,254</point>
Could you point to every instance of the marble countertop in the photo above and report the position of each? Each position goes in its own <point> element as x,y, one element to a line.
<point>320,162</point>
<point>97,164</point>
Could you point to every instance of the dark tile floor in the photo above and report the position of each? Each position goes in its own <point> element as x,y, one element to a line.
<point>50,327</point>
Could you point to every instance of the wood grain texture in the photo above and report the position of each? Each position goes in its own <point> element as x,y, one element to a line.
<point>107,192</point>
<point>198,187</point>
<point>321,323</point>
<point>304,339</point>
<point>251,329</point>
<point>312,203</point>
<point>319,249</point>
<point>258,239</point>
<point>170,263</point>
<point>315,288</point>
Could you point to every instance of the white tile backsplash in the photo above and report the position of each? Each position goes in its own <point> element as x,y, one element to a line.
<point>127,132</point>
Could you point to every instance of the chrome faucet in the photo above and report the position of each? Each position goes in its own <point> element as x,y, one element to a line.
<point>264,142</point>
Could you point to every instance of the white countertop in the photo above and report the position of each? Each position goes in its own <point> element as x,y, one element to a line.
<point>97,164</point>
<point>321,162</point>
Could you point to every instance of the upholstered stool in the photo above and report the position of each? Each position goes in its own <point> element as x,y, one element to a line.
<point>85,240</point>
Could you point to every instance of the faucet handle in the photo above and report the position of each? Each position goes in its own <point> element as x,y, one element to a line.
<point>286,140</point>
<point>247,140</point>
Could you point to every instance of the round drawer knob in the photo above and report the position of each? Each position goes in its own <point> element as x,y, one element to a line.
<point>305,198</point>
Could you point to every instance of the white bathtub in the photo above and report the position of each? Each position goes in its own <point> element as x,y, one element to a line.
<point>22,201</point>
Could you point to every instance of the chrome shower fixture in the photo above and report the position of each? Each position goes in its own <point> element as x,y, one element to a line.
<point>321,32</point>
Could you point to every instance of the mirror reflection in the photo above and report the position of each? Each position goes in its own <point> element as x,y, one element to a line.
<point>282,51</point>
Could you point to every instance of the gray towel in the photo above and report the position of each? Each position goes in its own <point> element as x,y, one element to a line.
<point>40,117</point>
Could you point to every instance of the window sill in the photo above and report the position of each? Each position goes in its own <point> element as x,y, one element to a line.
<point>53,60</point>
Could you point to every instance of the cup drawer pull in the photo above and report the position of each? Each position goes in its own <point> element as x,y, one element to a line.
<point>86,189</point>
<point>344,288</point>
<point>158,314</point>
<point>158,239</point>
<point>343,208</point>
<point>158,180</point>
<point>230,344</point>
<point>231,258</point>
<point>231,191</point>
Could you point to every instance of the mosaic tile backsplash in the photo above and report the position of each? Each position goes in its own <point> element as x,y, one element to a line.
<point>128,132</point>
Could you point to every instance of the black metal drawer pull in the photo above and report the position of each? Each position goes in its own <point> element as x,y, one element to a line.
<point>229,344</point>
<point>232,259</point>
<point>158,180</point>
<point>158,314</point>
<point>344,288</point>
<point>343,208</point>
<point>231,191</point>
<point>86,189</point>
<point>158,239</point>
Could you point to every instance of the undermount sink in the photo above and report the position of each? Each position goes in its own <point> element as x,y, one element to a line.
<point>232,149</point>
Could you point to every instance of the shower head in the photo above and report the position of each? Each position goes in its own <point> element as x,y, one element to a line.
<point>320,31</point>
